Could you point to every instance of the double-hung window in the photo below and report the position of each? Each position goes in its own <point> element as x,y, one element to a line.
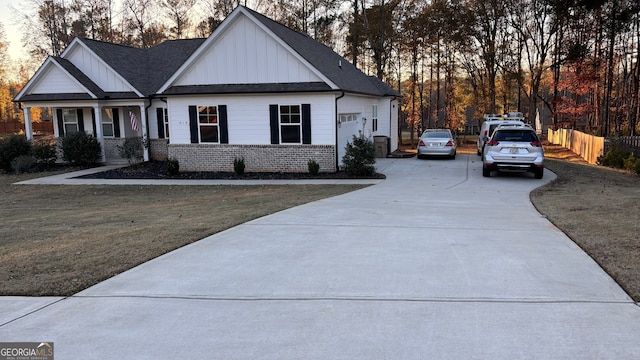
<point>107,124</point>
<point>70,120</point>
<point>208,124</point>
<point>290,124</point>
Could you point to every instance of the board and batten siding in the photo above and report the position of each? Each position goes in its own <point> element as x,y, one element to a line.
<point>56,81</point>
<point>248,116</point>
<point>246,54</point>
<point>97,71</point>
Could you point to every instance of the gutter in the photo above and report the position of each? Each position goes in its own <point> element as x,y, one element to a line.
<point>336,123</point>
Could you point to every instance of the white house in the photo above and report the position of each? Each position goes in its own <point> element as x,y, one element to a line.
<point>253,89</point>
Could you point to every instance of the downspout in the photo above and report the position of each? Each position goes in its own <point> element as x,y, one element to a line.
<point>337,122</point>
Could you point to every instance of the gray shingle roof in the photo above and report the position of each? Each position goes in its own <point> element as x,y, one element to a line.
<point>145,69</point>
<point>80,76</point>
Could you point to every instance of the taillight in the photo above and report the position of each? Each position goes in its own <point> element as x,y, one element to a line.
<point>493,143</point>
<point>449,143</point>
<point>486,132</point>
<point>536,144</point>
<point>421,143</point>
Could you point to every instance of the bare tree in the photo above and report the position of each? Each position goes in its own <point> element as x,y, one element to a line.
<point>178,12</point>
<point>140,18</point>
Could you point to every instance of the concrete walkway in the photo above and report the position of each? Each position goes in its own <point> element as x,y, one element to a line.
<point>436,262</point>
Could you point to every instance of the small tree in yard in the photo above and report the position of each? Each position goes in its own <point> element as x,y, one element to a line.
<point>360,157</point>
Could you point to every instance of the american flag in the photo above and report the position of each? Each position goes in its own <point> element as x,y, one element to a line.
<point>134,121</point>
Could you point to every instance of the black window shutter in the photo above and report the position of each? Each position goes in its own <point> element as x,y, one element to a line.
<point>93,121</point>
<point>160,116</point>
<point>306,123</point>
<point>193,123</point>
<point>116,122</point>
<point>224,128</point>
<point>80,120</point>
<point>275,127</point>
<point>60,122</point>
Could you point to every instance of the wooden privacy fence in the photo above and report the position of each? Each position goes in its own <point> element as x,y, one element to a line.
<point>14,127</point>
<point>589,147</point>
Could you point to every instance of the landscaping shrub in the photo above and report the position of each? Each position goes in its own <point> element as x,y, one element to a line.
<point>173,166</point>
<point>81,149</point>
<point>614,157</point>
<point>131,150</point>
<point>360,157</point>
<point>44,152</point>
<point>22,163</point>
<point>11,147</point>
<point>314,167</point>
<point>239,166</point>
<point>632,163</point>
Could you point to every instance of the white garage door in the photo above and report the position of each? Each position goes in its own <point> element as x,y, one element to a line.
<point>349,124</point>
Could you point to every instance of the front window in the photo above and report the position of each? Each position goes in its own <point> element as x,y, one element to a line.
<point>107,123</point>
<point>208,123</point>
<point>290,124</point>
<point>70,120</point>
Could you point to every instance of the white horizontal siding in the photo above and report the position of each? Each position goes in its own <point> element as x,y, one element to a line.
<point>245,54</point>
<point>97,71</point>
<point>248,116</point>
<point>55,81</point>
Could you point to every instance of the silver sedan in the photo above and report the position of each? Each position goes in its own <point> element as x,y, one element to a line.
<point>437,142</point>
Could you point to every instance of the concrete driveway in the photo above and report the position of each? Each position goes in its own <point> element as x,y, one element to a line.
<point>436,262</point>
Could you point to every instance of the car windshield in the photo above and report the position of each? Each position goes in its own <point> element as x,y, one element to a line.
<point>515,135</point>
<point>437,134</point>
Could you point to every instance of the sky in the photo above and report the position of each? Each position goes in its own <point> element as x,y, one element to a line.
<point>12,30</point>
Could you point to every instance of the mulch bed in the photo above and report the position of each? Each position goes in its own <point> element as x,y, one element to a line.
<point>158,170</point>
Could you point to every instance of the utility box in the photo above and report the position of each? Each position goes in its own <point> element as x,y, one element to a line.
<point>381,144</point>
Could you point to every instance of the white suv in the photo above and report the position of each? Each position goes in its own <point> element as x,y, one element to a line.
<point>513,148</point>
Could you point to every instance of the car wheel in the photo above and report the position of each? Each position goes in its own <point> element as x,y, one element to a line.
<point>419,157</point>
<point>453,156</point>
<point>538,173</point>
<point>486,172</point>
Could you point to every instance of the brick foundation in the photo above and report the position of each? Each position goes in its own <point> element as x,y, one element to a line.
<point>258,158</point>
<point>158,149</point>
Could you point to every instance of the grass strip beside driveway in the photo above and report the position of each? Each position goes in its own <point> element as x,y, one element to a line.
<point>599,209</point>
<point>59,239</point>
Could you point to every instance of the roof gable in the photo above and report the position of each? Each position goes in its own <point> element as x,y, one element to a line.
<point>244,53</point>
<point>57,76</point>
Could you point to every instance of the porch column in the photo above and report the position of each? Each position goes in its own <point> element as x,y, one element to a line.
<point>28,127</point>
<point>97,110</point>
<point>145,134</point>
